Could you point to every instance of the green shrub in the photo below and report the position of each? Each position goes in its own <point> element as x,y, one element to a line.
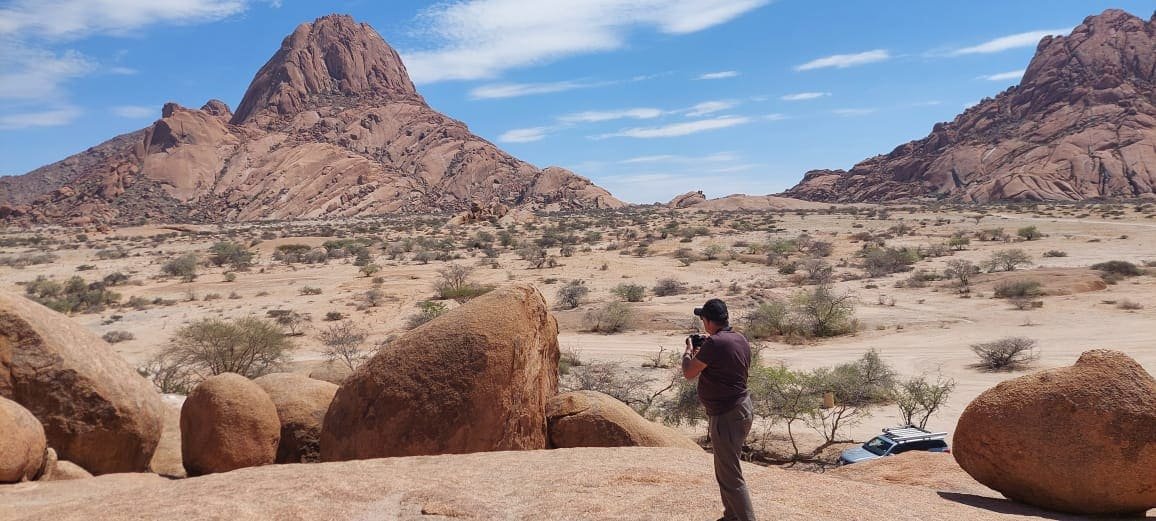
<point>1118,267</point>
<point>614,317</point>
<point>114,337</point>
<point>1029,233</point>
<point>629,292</point>
<point>571,295</point>
<point>233,254</point>
<point>669,286</point>
<point>184,267</point>
<point>1055,253</point>
<point>1018,289</point>
<point>427,311</point>
<point>248,346</point>
<point>73,296</point>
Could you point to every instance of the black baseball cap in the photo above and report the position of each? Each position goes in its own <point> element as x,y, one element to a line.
<point>714,310</point>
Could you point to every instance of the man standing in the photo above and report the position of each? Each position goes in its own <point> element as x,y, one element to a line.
<point>721,362</point>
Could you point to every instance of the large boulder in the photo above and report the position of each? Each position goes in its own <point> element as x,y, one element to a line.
<point>1079,439</point>
<point>301,404</point>
<point>228,422</point>
<point>474,379</point>
<point>96,410</point>
<point>594,419</point>
<point>22,443</point>
<point>56,469</point>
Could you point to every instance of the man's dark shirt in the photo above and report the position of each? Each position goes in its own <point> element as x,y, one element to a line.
<point>722,385</point>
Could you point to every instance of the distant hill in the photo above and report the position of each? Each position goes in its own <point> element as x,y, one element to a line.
<point>330,126</point>
<point>1080,125</point>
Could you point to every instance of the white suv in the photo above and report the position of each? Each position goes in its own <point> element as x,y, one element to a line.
<point>895,440</point>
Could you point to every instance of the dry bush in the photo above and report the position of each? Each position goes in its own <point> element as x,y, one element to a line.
<point>455,284</point>
<point>613,317</point>
<point>1006,354</point>
<point>1022,289</point>
<point>668,286</point>
<point>571,295</point>
<point>427,311</point>
<point>1007,260</point>
<point>114,337</point>
<point>248,346</point>
<point>344,341</point>
<point>629,292</point>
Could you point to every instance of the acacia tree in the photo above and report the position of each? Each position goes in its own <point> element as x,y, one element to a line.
<point>344,341</point>
<point>825,312</point>
<point>857,387</point>
<point>248,346</point>
<point>782,395</point>
<point>918,399</point>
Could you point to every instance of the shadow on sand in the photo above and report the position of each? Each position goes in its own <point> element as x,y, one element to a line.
<point>1005,506</point>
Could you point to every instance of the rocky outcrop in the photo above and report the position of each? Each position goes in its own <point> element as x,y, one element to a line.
<point>916,468</point>
<point>331,126</point>
<point>1078,439</point>
<point>227,423</point>
<point>22,444</point>
<point>475,379</point>
<point>635,483</point>
<point>96,410</point>
<point>687,200</point>
<point>56,469</point>
<point>1080,125</point>
<point>301,404</point>
<point>594,419</point>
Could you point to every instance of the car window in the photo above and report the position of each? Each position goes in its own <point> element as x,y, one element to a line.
<point>878,445</point>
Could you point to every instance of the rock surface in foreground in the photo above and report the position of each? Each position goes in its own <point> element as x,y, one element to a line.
<point>1076,439</point>
<point>475,379</point>
<point>594,419</point>
<point>228,422</point>
<point>96,410</point>
<point>626,483</point>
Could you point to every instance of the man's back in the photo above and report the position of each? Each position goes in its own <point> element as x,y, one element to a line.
<point>722,385</point>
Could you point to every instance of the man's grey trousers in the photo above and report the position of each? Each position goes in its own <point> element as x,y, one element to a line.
<point>728,431</point>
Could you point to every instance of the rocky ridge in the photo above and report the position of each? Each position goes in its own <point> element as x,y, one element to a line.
<point>331,126</point>
<point>1080,125</point>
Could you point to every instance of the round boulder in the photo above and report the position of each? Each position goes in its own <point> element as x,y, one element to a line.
<point>1079,439</point>
<point>22,443</point>
<point>594,419</point>
<point>96,410</point>
<point>60,470</point>
<point>228,422</point>
<point>472,380</point>
<point>301,404</point>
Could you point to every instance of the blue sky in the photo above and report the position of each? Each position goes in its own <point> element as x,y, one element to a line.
<point>648,98</point>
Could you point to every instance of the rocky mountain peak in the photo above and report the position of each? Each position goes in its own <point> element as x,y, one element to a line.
<point>332,57</point>
<point>1108,58</point>
<point>1080,125</point>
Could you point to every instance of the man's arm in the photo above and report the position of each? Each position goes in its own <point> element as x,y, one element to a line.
<point>691,366</point>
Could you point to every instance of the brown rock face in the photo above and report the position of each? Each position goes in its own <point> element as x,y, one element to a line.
<point>228,422</point>
<point>331,126</point>
<point>56,469</point>
<point>1078,439</point>
<point>301,404</point>
<point>593,419</point>
<point>687,200</point>
<point>22,443</point>
<point>1081,124</point>
<point>475,379</point>
<point>96,410</point>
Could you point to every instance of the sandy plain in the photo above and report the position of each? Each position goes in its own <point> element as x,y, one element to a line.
<point>924,330</point>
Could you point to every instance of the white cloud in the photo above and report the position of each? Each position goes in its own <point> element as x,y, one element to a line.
<point>842,61</point>
<point>774,117</point>
<point>135,112</point>
<point>804,96</point>
<point>853,112</point>
<point>47,118</point>
<point>678,129</point>
<point>513,90</point>
<point>33,74</point>
<point>595,116</point>
<point>122,71</point>
<point>1004,76</point>
<point>1013,41</point>
<point>718,157</point>
<point>478,39</point>
<point>67,19</point>
<point>710,107</point>
<point>524,135</point>
<point>717,75</point>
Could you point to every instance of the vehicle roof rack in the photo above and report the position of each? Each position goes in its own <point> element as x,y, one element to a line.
<point>911,433</point>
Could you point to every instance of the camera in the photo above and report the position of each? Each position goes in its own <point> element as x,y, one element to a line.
<point>697,340</point>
